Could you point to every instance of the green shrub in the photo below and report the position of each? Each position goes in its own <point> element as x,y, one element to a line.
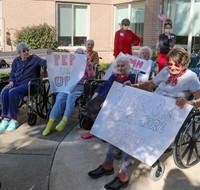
<point>37,37</point>
<point>104,66</point>
<point>4,74</point>
<point>154,55</point>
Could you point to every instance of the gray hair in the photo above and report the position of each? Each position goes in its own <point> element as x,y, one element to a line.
<point>147,49</point>
<point>21,46</point>
<point>124,60</point>
<point>87,41</point>
<point>80,51</point>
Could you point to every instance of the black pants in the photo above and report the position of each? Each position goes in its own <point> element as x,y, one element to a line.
<point>93,109</point>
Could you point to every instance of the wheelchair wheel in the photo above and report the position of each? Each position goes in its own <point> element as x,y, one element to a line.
<point>157,171</point>
<point>44,99</point>
<point>82,122</point>
<point>32,119</point>
<point>186,151</point>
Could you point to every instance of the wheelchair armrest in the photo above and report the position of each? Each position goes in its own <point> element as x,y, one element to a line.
<point>34,81</point>
<point>32,85</point>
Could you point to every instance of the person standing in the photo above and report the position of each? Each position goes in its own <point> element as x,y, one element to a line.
<point>124,39</point>
<point>167,41</point>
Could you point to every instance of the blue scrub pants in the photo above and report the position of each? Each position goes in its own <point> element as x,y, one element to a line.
<point>10,99</point>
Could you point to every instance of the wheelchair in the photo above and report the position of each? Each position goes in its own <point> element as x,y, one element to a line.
<point>39,99</point>
<point>89,88</point>
<point>185,148</point>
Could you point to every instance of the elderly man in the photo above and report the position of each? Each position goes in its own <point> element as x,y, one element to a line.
<point>24,68</point>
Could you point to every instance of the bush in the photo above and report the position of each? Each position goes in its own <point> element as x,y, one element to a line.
<point>4,74</point>
<point>104,66</point>
<point>37,37</point>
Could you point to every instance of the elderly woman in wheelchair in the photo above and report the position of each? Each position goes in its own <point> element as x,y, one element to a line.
<point>66,102</point>
<point>123,73</point>
<point>175,81</point>
<point>24,68</point>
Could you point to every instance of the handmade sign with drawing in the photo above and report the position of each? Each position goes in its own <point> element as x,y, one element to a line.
<point>142,124</point>
<point>65,70</point>
<point>139,66</point>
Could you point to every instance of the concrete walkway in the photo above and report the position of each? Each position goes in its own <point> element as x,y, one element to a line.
<point>62,160</point>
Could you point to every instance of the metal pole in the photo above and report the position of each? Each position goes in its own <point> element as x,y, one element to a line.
<point>190,26</point>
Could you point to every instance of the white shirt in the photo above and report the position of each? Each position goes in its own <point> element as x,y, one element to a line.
<point>187,84</point>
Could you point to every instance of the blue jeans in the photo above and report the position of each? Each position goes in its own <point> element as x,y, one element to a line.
<point>65,102</point>
<point>10,99</point>
<point>126,159</point>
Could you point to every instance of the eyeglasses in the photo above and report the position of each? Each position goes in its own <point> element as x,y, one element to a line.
<point>147,53</point>
<point>120,65</point>
<point>25,50</point>
<point>166,23</point>
<point>90,44</point>
<point>176,65</point>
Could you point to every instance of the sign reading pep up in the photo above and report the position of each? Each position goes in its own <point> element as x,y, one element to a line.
<point>139,66</point>
<point>142,124</point>
<point>65,70</point>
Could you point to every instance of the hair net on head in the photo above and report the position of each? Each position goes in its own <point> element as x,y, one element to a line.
<point>21,46</point>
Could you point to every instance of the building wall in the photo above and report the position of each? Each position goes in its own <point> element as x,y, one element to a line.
<point>22,13</point>
<point>152,26</point>
<point>101,29</point>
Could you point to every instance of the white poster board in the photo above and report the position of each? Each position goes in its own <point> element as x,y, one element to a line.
<point>137,64</point>
<point>65,70</point>
<point>142,124</point>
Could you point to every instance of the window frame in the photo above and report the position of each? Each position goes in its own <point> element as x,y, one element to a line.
<point>73,27</point>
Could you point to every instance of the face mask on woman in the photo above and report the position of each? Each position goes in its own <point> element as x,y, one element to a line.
<point>125,27</point>
<point>168,30</point>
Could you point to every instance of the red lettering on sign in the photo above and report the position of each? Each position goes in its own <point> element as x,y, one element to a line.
<point>72,57</point>
<point>56,58</point>
<point>64,59</point>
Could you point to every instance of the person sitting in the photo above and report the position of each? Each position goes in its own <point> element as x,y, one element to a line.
<point>66,102</point>
<point>174,81</point>
<point>24,68</point>
<point>92,56</point>
<point>146,53</point>
<point>123,73</point>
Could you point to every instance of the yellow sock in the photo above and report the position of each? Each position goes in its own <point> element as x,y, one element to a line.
<point>48,127</point>
<point>62,124</point>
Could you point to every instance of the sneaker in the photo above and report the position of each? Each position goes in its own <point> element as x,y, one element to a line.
<point>4,124</point>
<point>12,125</point>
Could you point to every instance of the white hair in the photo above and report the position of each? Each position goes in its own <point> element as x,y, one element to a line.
<point>147,49</point>
<point>21,46</point>
<point>80,51</point>
<point>124,60</point>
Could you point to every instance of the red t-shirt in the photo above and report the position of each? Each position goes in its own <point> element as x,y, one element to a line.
<point>124,41</point>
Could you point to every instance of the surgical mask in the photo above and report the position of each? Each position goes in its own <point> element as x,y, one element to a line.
<point>125,27</point>
<point>168,30</point>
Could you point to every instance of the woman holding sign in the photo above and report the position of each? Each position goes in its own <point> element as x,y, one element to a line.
<point>24,68</point>
<point>66,102</point>
<point>123,73</point>
<point>174,81</point>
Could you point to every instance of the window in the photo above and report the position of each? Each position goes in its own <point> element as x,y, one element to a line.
<point>135,13</point>
<point>72,24</point>
<point>179,11</point>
